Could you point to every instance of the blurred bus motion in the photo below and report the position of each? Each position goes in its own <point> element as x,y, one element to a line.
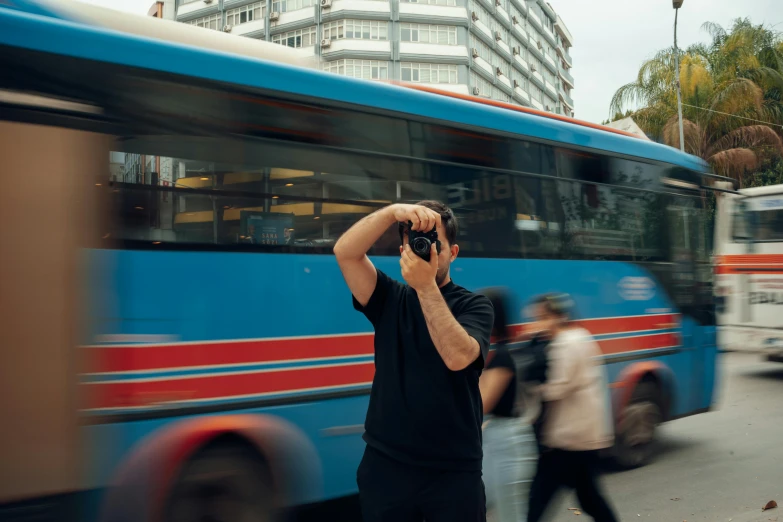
<point>171,197</point>
<point>749,271</point>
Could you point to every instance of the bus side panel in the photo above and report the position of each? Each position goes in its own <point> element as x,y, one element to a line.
<point>300,303</point>
<point>47,212</point>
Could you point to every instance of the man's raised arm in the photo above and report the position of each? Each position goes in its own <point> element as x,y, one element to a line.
<point>351,249</point>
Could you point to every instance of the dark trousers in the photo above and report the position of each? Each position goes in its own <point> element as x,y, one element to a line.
<point>391,491</point>
<point>573,469</point>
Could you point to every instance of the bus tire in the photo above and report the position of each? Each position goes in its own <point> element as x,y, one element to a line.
<point>635,438</point>
<point>225,481</point>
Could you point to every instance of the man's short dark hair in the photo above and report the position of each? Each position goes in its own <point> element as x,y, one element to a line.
<point>447,218</point>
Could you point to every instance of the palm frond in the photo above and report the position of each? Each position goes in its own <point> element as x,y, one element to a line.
<point>691,132</point>
<point>750,137</point>
<point>734,163</point>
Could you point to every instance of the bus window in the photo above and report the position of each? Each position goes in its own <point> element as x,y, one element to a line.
<point>740,227</point>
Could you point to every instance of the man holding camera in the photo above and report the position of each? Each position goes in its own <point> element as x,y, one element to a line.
<point>423,426</point>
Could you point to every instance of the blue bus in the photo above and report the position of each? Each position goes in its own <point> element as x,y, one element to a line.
<point>178,337</point>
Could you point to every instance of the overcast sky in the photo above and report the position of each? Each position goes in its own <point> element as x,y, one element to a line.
<point>611,40</point>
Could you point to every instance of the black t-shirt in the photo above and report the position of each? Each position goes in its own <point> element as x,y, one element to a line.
<point>500,358</point>
<point>421,412</point>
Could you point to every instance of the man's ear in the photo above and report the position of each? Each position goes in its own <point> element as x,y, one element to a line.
<point>454,252</point>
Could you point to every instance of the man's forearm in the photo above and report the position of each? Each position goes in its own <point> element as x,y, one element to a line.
<point>457,349</point>
<point>358,240</point>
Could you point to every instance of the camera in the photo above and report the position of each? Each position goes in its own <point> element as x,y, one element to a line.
<point>421,242</point>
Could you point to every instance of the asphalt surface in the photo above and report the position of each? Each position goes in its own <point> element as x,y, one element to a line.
<point>720,466</point>
<point>724,465</point>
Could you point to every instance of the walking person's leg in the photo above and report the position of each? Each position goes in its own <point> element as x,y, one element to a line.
<point>546,484</point>
<point>588,489</point>
<point>387,489</point>
<point>509,465</point>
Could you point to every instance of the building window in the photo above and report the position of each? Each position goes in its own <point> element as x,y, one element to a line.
<point>499,95</point>
<point>496,27</point>
<point>284,6</point>
<point>296,39</point>
<point>536,63</point>
<point>428,73</point>
<point>535,92</point>
<point>484,87</point>
<point>364,69</point>
<point>432,2</point>
<point>483,14</point>
<point>423,33</point>
<point>356,30</point>
<point>208,22</point>
<point>521,80</point>
<point>183,2</point>
<point>521,50</point>
<point>484,51</point>
<point>246,13</point>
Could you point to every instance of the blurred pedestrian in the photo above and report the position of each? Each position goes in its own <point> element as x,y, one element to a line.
<point>510,450</point>
<point>577,424</point>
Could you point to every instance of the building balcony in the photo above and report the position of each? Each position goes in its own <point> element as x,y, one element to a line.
<point>521,95</point>
<point>537,104</point>
<point>196,9</point>
<point>346,7</point>
<point>550,88</point>
<point>350,48</point>
<point>549,35</point>
<point>254,29</point>
<point>566,77</point>
<point>480,26</point>
<point>566,99</point>
<point>535,49</point>
<point>414,52</point>
<point>548,60</point>
<point>503,15</point>
<point>425,13</point>
<point>538,79</point>
<point>523,65</point>
<point>520,33</point>
<point>563,31</point>
<point>567,58</point>
<point>533,17</point>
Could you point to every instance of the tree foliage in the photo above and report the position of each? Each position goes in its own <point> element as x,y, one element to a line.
<point>732,90</point>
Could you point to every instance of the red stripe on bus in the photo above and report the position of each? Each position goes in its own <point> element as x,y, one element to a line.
<point>130,358</point>
<point>618,325</point>
<point>137,394</point>
<point>747,269</point>
<point>750,259</point>
<point>642,342</point>
<point>106,359</point>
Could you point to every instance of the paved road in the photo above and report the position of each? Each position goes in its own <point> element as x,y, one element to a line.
<point>722,466</point>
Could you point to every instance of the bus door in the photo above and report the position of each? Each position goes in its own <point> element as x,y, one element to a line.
<point>692,289</point>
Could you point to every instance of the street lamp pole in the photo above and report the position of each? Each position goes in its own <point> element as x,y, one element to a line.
<point>677,4</point>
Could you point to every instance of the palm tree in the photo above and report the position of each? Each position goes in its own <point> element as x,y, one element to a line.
<point>729,87</point>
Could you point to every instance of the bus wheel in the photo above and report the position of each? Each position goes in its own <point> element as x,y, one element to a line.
<point>636,431</point>
<point>223,483</point>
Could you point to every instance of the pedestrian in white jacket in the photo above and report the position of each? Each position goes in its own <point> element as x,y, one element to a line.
<point>578,421</point>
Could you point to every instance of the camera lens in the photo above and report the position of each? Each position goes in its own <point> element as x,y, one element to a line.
<point>421,245</point>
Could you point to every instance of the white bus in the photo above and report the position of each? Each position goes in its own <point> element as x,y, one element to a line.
<point>749,271</point>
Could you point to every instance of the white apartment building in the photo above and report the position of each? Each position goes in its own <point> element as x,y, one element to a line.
<point>514,51</point>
